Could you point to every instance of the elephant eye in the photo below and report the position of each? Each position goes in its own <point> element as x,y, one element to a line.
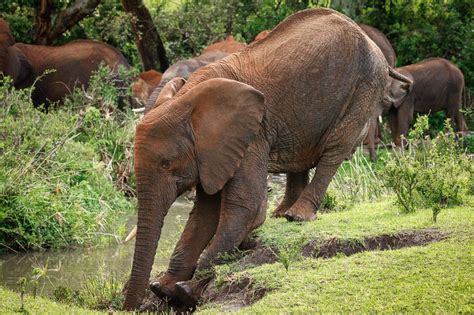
<point>165,163</point>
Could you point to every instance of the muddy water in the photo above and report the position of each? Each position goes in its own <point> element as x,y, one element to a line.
<point>69,267</point>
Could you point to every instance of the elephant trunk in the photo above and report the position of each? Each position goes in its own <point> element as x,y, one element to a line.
<point>153,205</point>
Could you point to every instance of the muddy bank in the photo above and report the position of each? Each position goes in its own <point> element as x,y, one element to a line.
<point>234,295</point>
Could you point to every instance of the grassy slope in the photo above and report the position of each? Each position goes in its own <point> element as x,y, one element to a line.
<point>10,304</point>
<point>433,278</point>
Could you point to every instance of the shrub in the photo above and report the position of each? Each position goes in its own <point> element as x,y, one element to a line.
<point>433,173</point>
<point>58,170</point>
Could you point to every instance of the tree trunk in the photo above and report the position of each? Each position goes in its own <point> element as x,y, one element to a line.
<point>64,21</point>
<point>148,41</point>
<point>42,20</point>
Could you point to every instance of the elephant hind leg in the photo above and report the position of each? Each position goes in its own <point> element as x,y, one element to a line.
<point>457,118</point>
<point>199,230</point>
<point>339,145</point>
<point>295,184</point>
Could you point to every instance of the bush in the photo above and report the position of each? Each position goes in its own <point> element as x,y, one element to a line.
<point>58,171</point>
<point>432,173</point>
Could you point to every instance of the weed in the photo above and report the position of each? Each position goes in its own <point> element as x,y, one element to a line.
<point>22,289</point>
<point>290,251</point>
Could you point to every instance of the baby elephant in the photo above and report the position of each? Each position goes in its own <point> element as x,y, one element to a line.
<point>299,98</point>
<point>437,85</point>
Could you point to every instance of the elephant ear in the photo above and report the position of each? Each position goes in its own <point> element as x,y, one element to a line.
<point>169,90</point>
<point>225,119</point>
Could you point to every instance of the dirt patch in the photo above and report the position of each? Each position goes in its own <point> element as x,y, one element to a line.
<point>331,247</point>
<point>234,295</point>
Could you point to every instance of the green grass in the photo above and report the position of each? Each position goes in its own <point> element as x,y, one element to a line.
<point>434,278</point>
<point>10,304</point>
<point>363,220</point>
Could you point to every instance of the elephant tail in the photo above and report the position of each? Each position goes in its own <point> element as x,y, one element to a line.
<point>397,75</point>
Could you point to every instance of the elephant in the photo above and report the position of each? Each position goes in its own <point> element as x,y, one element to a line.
<point>238,118</point>
<point>387,49</point>
<point>437,86</point>
<point>229,45</point>
<point>146,82</point>
<point>182,69</point>
<point>73,65</point>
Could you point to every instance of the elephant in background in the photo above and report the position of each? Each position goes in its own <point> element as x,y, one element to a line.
<point>183,70</point>
<point>437,86</point>
<point>387,49</point>
<point>146,82</point>
<point>229,45</point>
<point>74,63</point>
<point>238,118</point>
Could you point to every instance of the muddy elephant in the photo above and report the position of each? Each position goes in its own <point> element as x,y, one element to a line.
<point>384,44</point>
<point>437,86</point>
<point>238,118</point>
<point>182,69</point>
<point>73,65</point>
<point>145,84</point>
<point>229,45</point>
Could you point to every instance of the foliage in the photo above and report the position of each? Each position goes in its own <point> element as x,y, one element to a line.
<point>430,173</point>
<point>427,28</point>
<point>58,171</point>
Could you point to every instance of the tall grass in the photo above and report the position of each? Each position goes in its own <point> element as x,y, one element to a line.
<point>358,180</point>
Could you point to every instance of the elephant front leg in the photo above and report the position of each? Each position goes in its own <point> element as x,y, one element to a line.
<point>199,230</point>
<point>295,184</point>
<point>243,200</point>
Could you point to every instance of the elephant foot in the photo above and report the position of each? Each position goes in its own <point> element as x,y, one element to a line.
<point>279,212</point>
<point>300,213</point>
<point>161,291</point>
<point>189,292</point>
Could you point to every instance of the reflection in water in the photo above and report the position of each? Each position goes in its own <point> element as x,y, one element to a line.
<point>69,267</point>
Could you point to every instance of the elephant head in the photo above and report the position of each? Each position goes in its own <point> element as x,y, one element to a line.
<point>195,137</point>
<point>145,84</point>
<point>13,61</point>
